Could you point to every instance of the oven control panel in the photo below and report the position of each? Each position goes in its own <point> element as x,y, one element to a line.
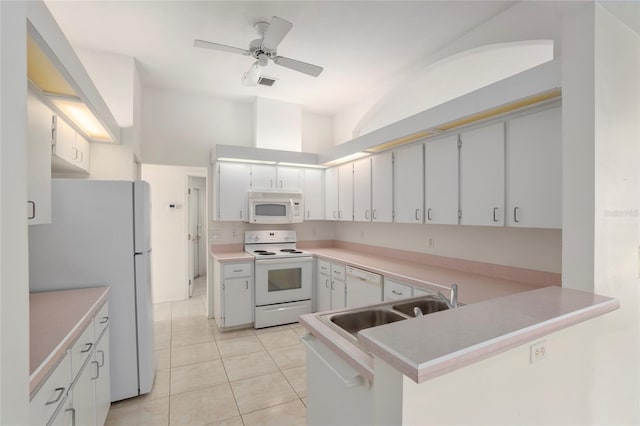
<point>275,236</point>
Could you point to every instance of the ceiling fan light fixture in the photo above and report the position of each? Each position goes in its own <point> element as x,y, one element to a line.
<point>251,77</point>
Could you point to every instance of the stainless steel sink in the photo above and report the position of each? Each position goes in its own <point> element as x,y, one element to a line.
<point>355,321</point>
<point>427,306</point>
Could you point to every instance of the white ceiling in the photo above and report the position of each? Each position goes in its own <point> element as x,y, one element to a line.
<point>360,44</point>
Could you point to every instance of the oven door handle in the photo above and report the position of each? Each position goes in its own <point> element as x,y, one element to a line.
<point>298,260</point>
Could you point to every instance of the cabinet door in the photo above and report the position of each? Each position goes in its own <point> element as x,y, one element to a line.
<point>102,381</point>
<point>331,193</point>
<point>238,301</point>
<point>313,195</point>
<point>382,187</point>
<point>362,190</point>
<point>408,185</point>
<point>323,292</point>
<point>289,179</point>
<point>263,178</point>
<point>233,186</point>
<point>345,192</point>
<point>441,181</point>
<point>482,176</point>
<point>65,141</point>
<point>39,153</point>
<point>83,152</point>
<point>394,290</point>
<point>338,294</point>
<point>534,170</point>
<point>84,395</point>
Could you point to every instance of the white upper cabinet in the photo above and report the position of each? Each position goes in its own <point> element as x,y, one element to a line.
<point>409,184</point>
<point>70,150</point>
<point>382,187</point>
<point>39,149</point>
<point>271,178</point>
<point>534,170</point>
<point>289,179</point>
<point>482,176</point>
<point>263,178</point>
<point>441,181</point>
<point>234,181</point>
<point>362,190</point>
<point>313,194</point>
<point>331,193</point>
<point>345,192</point>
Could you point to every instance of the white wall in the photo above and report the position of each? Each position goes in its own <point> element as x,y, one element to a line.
<point>539,249</point>
<point>169,227</point>
<point>233,232</point>
<point>523,21</point>
<point>14,280</point>
<point>317,132</point>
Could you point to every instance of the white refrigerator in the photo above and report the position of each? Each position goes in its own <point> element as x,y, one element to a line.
<point>100,235</point>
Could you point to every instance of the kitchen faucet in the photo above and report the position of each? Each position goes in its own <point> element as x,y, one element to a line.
<point>453,303</point>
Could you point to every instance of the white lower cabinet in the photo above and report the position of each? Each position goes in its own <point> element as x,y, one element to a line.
<point>421,292</point>
<point>78,391</point>
<point>394,290</point>
<point>330,286</point>
<point>233,288</point>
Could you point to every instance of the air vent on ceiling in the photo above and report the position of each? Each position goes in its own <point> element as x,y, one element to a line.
<point>266,81</point>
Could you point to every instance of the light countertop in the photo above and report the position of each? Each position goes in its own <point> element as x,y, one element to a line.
<point>56,320</point>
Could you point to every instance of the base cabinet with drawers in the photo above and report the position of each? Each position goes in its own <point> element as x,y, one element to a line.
<point>330,286</point>
<point>77,391</point>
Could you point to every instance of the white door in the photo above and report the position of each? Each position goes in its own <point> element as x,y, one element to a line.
<point>362,190</point>
<point>409,184</point>
<point>234,182</point>
<point>482,176</point>
<point>238,303</point>
<point>193,235</point>
<point>84,395</point>
<point>323,293</point>
<point>441,181</point>
<point>289,179</point>
<point>313,194</point>
<point>331,193</point>
<point>263,178</point>
<point>534,170</point>
<point>102,382</point>
<point>39,150</point>
<point>345,192</point>
<point>338,294</point>
<point>382,187</point>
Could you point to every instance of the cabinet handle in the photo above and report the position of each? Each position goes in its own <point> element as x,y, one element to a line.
<point>246,284</point>
<point>104,320</point>
<point>308,214</point>
<point>339,214</point>
<point>417,211</point>
<point>97,369</point>
<point>88,346</point>
<point>334,214</point>
<point>332,287</point>
<point>515,214</point>
<point>326,283</point>
<point>240,214</point>
<point>101,364</point>
<point>270,183</point>
<point>366,214</point>
<point>281,186</point>
<point>495,210</point>
<point>81,156</point>
<point>60,392</point>
<point>237,270</point>
<point>397,293</point>
<point>33,210</point>
<point>429,214</point>
<point>73,415</point>
<point>374,215</point>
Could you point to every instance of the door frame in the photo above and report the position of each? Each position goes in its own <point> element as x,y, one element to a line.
<point>188,257</point>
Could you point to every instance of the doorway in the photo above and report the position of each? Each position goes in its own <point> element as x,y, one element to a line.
<point>197,241</point>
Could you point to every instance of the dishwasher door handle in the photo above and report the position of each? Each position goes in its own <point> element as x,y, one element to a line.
<point>350,382</point>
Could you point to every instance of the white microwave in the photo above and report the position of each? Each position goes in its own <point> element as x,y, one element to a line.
<point>275,207</point>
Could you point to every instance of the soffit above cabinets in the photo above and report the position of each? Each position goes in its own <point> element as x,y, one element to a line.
<point>57,75</point>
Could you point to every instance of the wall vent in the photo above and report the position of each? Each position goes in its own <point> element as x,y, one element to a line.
<point>266,81</point>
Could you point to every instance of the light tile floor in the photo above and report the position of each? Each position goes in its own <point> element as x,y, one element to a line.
<point>208,377</point>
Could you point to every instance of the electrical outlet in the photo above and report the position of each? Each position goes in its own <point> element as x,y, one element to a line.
<point>431,241</point>
<point>234,233</point>
<point>361,234</point>
<point>538,352</point>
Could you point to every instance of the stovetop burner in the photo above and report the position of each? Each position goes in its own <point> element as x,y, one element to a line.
<point>290,251</point>
<point>264,253</point>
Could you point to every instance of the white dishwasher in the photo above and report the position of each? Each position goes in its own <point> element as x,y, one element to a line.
<point>363,287</point>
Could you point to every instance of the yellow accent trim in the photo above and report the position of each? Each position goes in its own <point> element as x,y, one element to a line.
<point>501,110</point>
<point>399,141</point>
<point>43,73</point>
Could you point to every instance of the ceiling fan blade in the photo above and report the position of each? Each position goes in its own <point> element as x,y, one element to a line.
<point>304,67</point>
<point>220,47</point>
<point>278,28</point>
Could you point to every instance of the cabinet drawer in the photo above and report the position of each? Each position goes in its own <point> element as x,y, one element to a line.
<point>324,267</point>
<point>51,394</point>
<point>81,350</point>
<point>394,290</point>
<point>101,320</point>
<point>338,272</point>
<point>234,270</point>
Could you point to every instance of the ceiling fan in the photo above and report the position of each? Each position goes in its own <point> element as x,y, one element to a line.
<point>263,49</point>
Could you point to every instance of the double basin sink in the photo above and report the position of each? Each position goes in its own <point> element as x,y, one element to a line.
<point>349,323</point>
